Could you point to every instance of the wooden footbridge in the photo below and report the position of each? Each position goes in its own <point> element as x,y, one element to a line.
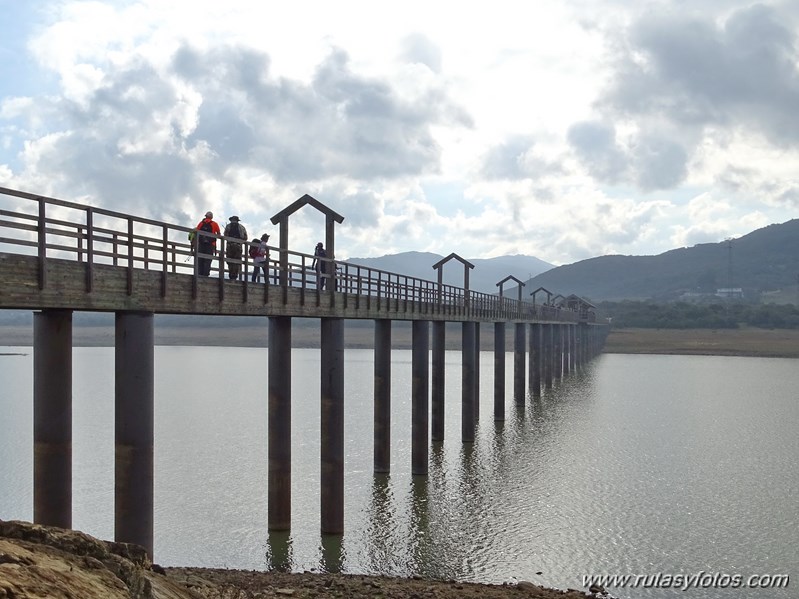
<point>57,257</point>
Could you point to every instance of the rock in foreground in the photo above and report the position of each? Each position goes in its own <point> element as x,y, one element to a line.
<point>40,561</point>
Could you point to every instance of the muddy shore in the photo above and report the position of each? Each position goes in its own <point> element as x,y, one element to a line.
<point>782,343</point>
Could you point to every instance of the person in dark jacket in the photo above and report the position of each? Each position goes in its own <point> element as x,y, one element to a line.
<point>320,266</point>
<point>233,253</point>
<point>206,245</point>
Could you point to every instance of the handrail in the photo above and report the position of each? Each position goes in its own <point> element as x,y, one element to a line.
<point>52,228</point>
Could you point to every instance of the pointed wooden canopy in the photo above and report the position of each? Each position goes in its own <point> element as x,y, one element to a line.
<point>282,219</point>
<point>466,266</point>
<point>545,290</point>
<point>443,261</point>
<point>306,200</point>
<point>510,278</point>
<point>576,299</point>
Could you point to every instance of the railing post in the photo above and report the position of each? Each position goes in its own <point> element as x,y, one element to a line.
<point>130,256</point>
<point>164,258</point>
<point>89,250</point>
<point>42,244</point>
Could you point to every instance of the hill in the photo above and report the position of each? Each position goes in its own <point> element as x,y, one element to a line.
<point>762,262</point>
<point>485,275</point>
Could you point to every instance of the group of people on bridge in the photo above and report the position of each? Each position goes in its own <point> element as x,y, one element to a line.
<point>204,248</point>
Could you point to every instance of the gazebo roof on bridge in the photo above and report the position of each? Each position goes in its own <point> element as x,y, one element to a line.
<point>306,200</point>
<point>441,262</point>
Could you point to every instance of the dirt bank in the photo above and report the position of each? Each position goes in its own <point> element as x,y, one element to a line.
<point>38,561</point>
<point>765,343</point>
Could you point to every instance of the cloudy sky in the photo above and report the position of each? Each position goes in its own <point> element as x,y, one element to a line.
<point>559,129</point>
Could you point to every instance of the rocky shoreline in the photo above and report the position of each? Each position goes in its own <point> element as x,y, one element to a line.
<point>39,561</point>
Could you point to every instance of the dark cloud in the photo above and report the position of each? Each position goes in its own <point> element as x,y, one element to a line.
<point>342,124</point>
<point>660,163</point>
<point>695,72</point>
<point>595,145</point>
<point>148,134</point>
<point>678,77</point>
<point>516,159</point>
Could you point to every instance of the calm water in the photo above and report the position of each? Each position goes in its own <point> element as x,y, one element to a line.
<point>637,465</point>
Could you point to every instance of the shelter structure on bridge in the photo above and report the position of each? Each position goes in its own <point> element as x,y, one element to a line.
<point>510,278</point>
<point>548,293</point>
<point>282,220</point>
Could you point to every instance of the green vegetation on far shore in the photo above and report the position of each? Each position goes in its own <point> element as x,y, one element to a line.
<point>689,315</point>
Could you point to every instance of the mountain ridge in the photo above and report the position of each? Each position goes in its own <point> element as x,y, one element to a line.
<point>764,260</point>
<point>485,275</point>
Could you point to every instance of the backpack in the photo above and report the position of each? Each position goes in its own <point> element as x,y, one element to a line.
<point>234,231</point>
<point>254,248</point>
<point>206,226</point>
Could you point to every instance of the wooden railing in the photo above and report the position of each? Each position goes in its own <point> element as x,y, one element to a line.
<point>50,228</point>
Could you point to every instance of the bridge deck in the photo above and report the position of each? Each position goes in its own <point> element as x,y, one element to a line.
<point>58,254</point>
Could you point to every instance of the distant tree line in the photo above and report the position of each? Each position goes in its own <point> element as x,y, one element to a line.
<point>685,315</point>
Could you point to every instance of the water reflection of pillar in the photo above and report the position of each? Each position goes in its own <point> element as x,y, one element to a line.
<point>381,526</point>
<point>420,341</point>
<point>279,367</point>
<point>499,371</point>
<point>279,551</point>
<point>535,359</point>
<point>419,524</point>
<point>382,399</point>
<point>52,418</point>
<point>134,392</point>
<point>438,385</point>
<point>332,426</point>
<point>332,554</point>
<point>519,362</point>
<point>467,382</point>
<point>569,348</point>
<point>557,352</point>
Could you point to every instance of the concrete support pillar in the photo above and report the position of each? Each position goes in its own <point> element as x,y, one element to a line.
<point>438,385</point>
<point>519,363</point>
<point>499,371</point>
<point>557,351</point>
<point>535,359</point>
<point>581,341</point>
<point>134,424</point>
<point>52,418</point>
<point>279,366</point>
<point>568,350</point>
<point>548,355</point>
<point>476,371</point>
<point>420,339</point>
<point>382,399</point>
<point>467,382</point>
<point>332,426</point>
